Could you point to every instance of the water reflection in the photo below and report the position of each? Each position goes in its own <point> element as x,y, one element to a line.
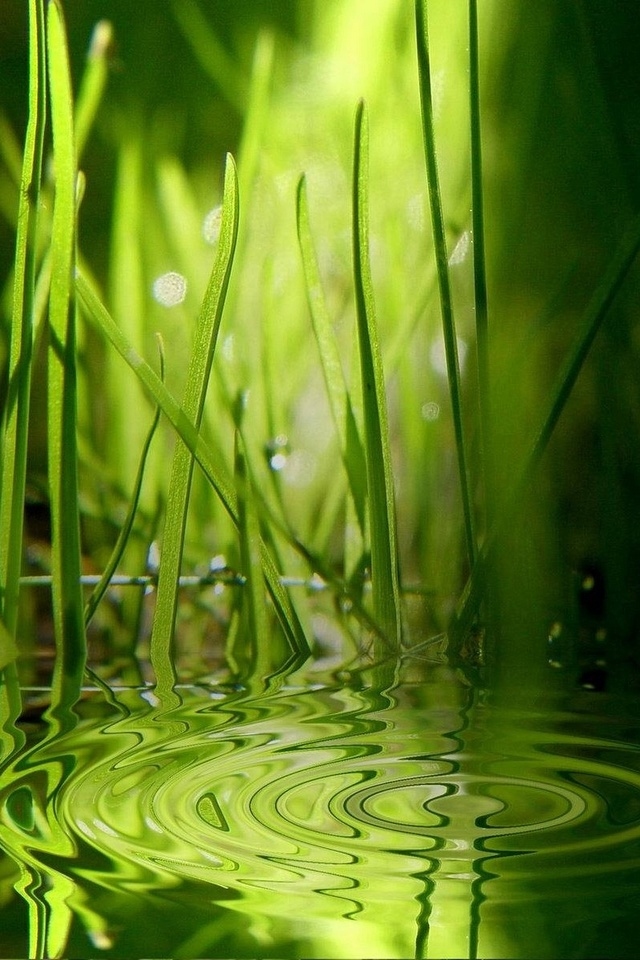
<point>420,821</point>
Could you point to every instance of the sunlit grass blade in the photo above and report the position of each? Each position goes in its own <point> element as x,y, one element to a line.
<point>337,392</point>
<point>442,267</point>
<point>125,530</point>
<point>384,557</point>
<point>93,83</point>
<point>593,317</point>
<point>63,476</point>
<point>206,337</point>
<point>221,483</point>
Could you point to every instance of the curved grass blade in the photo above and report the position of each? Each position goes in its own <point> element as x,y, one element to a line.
<point>63,476</point>
<point>337,392</point>
<point>592,320</point>
<point>223,486</point>
<point>206,336</point>
<point>103,585</point>
<point>384,557</point>
<point>442,267</point>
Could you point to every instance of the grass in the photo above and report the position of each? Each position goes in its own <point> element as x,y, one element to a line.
<point>318,417</point>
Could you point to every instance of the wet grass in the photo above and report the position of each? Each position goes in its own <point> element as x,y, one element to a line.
<point>303,332</point>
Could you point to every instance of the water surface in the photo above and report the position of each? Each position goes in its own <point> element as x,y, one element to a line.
<point>326,820</point>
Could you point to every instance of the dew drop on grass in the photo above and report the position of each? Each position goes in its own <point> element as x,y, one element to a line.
<point>170,289</point>
<point>211,225</point>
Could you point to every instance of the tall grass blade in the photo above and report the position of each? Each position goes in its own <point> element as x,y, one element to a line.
<point>206,336</point>
<point>442,267</point>
<point>15,427</point>
<point>594,315</point>
<point>63,478</point>
<point>479,260</point>
<point>221,483</point>
<point>337,392</point>
<point>384,556</point>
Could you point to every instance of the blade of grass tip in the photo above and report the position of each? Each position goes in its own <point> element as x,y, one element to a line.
<point>98,314</point>
<point>63,478</point>
<point>93,83</point>
<point>15,425</point>
<point>385,585</point>
<point>593,317</point>
<point>336,387</point>
<point>479,260</point>
<point>442,267</point>
<point>206,336</point>
<point>125,531</point>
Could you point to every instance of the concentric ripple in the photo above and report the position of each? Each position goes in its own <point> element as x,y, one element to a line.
<point>329,804</point>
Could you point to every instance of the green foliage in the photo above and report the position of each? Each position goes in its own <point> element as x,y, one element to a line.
<point>330,326</point>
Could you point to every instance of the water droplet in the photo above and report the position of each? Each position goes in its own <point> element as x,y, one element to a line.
<point>460,250</point>
<point>153,558</point>
<point>170,289</point>
<point>278,461</point>
<point>430,410</point>
<point>211,225</point>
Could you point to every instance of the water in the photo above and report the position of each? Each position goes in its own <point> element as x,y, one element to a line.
<point>412,817</point>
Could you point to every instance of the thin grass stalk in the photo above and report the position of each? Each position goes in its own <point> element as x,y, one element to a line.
<point>16,415</point>
<point>593,317</point>
<point>257,632</point>
<point>98,314</point>
<point>63,472</point>
<point>385,584</point>
<point>206,337</point>
<point>442,267</point>
<point>479,262</point>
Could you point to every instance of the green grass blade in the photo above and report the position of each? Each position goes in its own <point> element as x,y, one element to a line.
<point>337,392</point>
<point>125,531</point>
<point>601,301</point>
<point>223,486</point>
<point>256,626</point>
<point>479,259</point>
<point>384,558</point>
<point>63,477</point>
<point>442,267</point>
<point>206,336</point>
<point>16,414</point>
<point>93,83</point>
